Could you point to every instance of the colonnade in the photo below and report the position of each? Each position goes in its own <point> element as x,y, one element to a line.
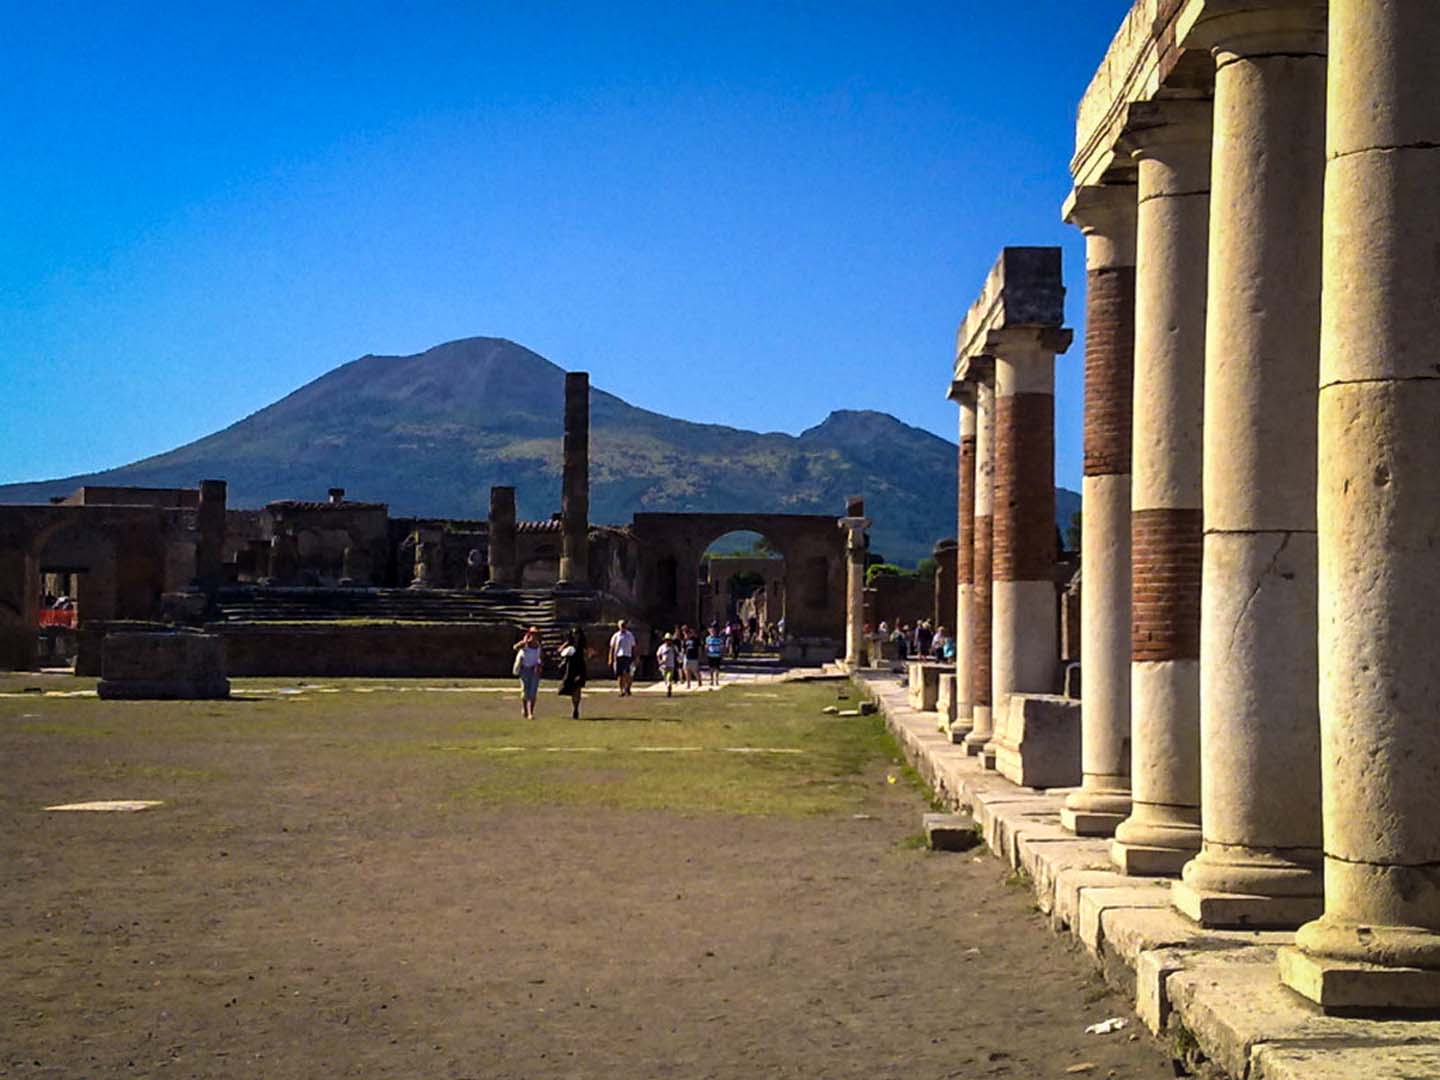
<point>1262,487</point>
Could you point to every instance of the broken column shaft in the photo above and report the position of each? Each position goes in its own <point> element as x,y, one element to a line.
<point>575,493</point>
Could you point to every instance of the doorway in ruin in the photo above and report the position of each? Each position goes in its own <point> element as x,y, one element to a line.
<point>742,580</point>
<point>76,580</point>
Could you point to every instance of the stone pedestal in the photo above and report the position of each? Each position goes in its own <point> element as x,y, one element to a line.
<point>1259,865</point>
<point>1377,945</point>
<point>1106,215</point>
<point>982,727</point>
<point>924,683</point>
<point>1170,142</point>
<point>1025,643</point>
<point>963,394</point>
<point>1042,746</point>
<point>157,666</point>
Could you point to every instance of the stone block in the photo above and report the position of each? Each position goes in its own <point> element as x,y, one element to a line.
<point>162,665</point>
<point>1141,861</point>
<point>1070,884</point>
<point>924,683</point>
<point>951,832</point>
<point>1152,968</point>
<point>1402,1062</point>
<point>1347,986</point>
<point>1095,903</point>
<point>1239,911</point>
<point>945,700</point>
<point>1042,742</point>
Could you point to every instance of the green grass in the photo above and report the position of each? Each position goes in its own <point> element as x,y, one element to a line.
<point>754,749</point>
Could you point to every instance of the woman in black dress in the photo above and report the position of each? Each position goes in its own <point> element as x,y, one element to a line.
<point>572,669</point>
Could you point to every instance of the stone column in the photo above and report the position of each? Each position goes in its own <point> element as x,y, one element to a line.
<point>854,523</point>
<point>1106,216</point>
<point>1378,943</point>
<point>982,717</point>
<point>943,613</point>
<point>1170,141</point>
<point>575,494</point>
<point>504,570</point>
<point>1259,865</point>
<point>1025,645</point>
<point>210,546</point>
<point>963,394</point>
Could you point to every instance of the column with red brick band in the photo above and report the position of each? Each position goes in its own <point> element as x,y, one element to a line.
<point>1170,142</point>
<point>1025,646</point>
<point>963,394</point>
<point>982,719</point>
<point>1106,217</point>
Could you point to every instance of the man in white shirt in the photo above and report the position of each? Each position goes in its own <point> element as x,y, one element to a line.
<point>622,657</point>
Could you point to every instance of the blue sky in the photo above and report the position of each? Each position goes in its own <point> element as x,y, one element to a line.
<point>745,213</point>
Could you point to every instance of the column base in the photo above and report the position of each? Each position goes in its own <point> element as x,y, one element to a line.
<point>1095,811</point>
<point>987,757</point>
<point>1141,860</point>
<point>1090,822</point>
<point>960,730</point>
<point>1243,911</point>
<point>1349,986</point>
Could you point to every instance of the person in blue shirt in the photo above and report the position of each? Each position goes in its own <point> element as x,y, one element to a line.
<point>715,652</point>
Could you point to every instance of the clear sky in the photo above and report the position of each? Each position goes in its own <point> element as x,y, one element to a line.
<point>746,213</point>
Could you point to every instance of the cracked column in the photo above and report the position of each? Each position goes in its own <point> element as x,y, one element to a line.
<point>854,523</point>
<point>1377,945</point>
<point>1259,865</point>
<point>1105,215</point>
<point>575,492</point>
<point>963,394</point>
<point>1170,142</point>
<point>982,718</point>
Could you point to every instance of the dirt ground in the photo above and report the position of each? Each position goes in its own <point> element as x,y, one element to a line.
<point>350,884</point>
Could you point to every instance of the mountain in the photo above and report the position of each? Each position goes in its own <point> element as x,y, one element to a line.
<point>430,434</point>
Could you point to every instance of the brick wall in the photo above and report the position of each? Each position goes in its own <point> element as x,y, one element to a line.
<point>980,693</point>
<point>965,562</point>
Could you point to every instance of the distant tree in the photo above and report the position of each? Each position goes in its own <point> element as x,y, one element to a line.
<point>1072,533</point>
<point>927,567</point>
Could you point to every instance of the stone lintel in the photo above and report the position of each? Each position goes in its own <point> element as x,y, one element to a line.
<point>1024,288</point>
<point>1149,57</point>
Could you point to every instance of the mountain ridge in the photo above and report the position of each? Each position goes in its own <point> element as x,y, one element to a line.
<point>430,432</point>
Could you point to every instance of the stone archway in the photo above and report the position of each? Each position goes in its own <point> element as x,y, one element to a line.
<point>812,546</point>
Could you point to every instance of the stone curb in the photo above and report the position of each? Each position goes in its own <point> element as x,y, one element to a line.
<point>1215,995</point>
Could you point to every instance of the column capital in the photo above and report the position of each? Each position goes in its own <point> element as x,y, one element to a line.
<point>977,369</point>
<point>1238,28</point>
<point>1105,215</point>
<point>962,392</point>
<point>1150,126</point>
<point>1015,341</point>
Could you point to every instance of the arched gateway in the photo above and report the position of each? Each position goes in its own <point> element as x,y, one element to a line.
<point>813,547</point>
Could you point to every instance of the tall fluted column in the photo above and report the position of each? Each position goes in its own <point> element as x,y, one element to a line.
<point>1260,860</point>
<point>575,494</point>
<point>1106,216</point>
<point>854,523</point>
<point>504,565</point>
<point>1170,141</point>
<point>1025,642</point>
<point>1378,943</point>
<point>982,716</point>
<point>963,394</point>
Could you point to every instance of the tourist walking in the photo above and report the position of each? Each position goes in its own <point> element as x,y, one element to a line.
<point>528,659</point>
<point>715,653</point>
<point>668,657</point>
<point>690,647</point>
<point>572,670</point>
<point>622,657</point>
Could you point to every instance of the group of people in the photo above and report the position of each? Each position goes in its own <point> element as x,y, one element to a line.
<point>920,640</point>
<point>679,657</point>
